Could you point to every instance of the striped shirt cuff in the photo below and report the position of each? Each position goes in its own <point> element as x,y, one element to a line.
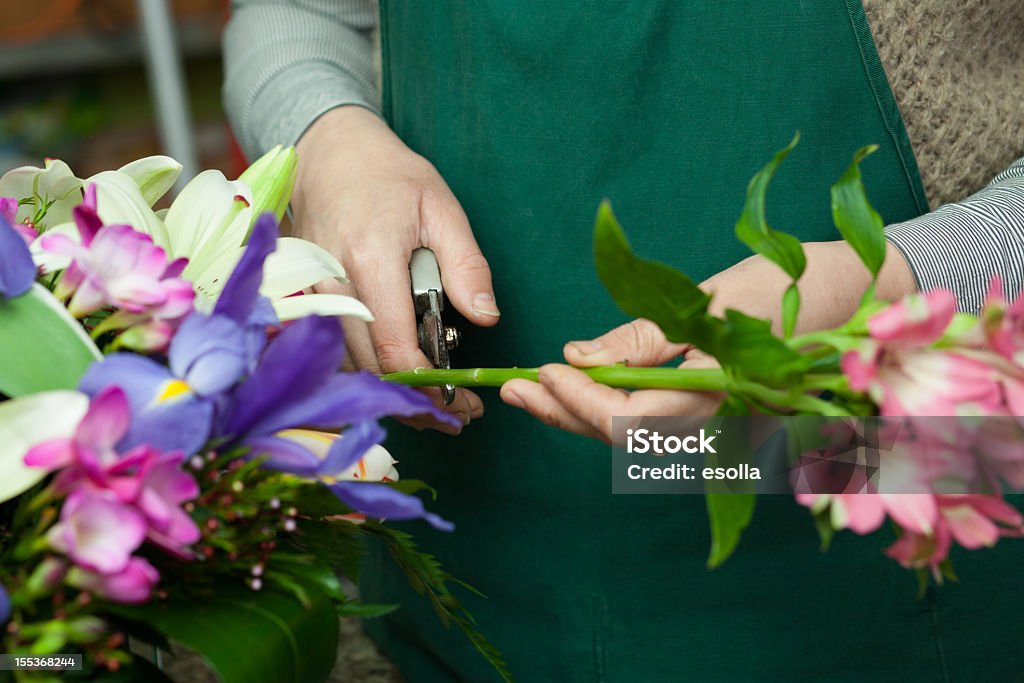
<point>960,246</point>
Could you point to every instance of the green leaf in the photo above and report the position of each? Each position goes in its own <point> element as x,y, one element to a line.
<point>747,347</point>
<point>426,576</point>
<point>823,525</point>
<point>251,636</point>
<point>729,514</point>
<point>730,504</point>
<point>41,346</point>
<point>790,310</point>
<point>858,222</point>
<point>648,289</point>
<point>753,230</point>
<point>365,610</point>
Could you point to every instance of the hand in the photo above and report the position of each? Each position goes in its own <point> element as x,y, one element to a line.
<point>368,199</point>
<point>568,399</point>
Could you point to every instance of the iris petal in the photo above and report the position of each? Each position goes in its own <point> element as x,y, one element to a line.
<point>378,500</point>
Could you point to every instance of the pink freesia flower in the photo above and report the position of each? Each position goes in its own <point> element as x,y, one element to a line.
<point>165,486</point>
<point>115,265</point>
<point>152,482</point>
<point>904,376</point>
<point>98,531</point>
<point>133,584</point>
<point>9,211</point>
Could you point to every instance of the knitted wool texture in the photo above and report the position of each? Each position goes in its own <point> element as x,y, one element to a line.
<point>957,71</point>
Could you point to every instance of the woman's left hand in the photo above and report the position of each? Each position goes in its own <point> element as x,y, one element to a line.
<point>568,399</point>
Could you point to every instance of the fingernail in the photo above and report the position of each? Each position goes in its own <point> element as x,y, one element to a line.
<point>586,348</point>
<point>484,303</point>
<point>512,399</point>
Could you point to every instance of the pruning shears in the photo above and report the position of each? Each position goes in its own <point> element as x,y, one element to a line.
<point>435,338</point>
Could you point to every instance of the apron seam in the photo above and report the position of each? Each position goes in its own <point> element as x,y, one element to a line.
<point>386,103</point>
<point>937,632</point>
<point>892,118</point>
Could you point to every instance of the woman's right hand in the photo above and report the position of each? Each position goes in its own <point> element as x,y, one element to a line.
<point>368,199</point>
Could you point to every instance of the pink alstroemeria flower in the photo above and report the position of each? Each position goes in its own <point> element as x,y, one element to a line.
<point>862,513</point>
<point>131,585</point>
<point>115,265</point>
<point>974,521</point>
<point>98,531</point>
<point>905,377</point>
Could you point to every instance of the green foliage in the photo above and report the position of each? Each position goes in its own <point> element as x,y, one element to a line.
<point>297,643</point>
<point>753,230</point>
<point>857,221</point>
<point>41,346</point>
<point>729,514</point>
<point>648,289</point>
<point>426,576</point>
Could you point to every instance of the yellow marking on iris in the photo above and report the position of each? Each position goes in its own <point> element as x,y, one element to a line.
<point>172,389</point>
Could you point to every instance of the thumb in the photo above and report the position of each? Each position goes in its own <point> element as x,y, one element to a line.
<point>464,271</point>
<point>640,343</point>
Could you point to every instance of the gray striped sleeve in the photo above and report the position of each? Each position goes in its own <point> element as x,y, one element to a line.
<point>960,246</point>
<point>289,61</point>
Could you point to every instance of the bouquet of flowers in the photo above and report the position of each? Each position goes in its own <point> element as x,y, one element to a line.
<point>181,458</point>
<point>941,392</point>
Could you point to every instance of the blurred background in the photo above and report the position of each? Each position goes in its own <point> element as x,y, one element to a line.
<point>99,83</point>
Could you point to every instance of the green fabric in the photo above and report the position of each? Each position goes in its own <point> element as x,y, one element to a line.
<point>533,111</point>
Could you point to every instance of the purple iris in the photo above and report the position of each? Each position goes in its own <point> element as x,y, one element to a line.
<point>17,270</point>
<point>174,406</point>
<point>292,381</point>
<point>5,605</point>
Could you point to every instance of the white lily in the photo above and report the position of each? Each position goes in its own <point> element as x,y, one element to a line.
<point>208,223</point>
<point>28,421</point>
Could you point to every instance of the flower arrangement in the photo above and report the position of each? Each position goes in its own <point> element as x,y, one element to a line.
<point>946,386</point>
<point>181,457</point>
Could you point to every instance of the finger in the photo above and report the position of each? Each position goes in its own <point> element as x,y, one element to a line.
<point>639,342</point>
<point>382,283</point>
<point>358,343</point>
<point>466,406</point>
<point>464,271</point>
<point>597,405</point>
<point>538,401</point>
<point>592,403</point>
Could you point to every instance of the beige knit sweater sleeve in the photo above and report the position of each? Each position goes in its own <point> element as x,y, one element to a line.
<point>956,68</point>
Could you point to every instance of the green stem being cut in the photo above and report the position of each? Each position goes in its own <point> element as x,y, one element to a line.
<point>619,376</point>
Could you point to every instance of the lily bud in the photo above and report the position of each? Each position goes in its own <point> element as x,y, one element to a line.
<point>272,178</point>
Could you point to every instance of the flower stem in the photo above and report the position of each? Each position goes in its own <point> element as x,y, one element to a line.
<point>619,376</point>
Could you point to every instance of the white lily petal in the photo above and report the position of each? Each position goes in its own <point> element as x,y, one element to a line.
<point>54,183</point>
<point>293,307</point>
<point>119,200</point>
<point>28,421</point>
<point>297,264</point>
<point>208,219</point>
<point>212,279</point>
<point>161,214</point>
<point>154,175</point>
<point>48,261</point>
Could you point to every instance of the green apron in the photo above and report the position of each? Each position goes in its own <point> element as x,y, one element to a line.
<point>534,111</point>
